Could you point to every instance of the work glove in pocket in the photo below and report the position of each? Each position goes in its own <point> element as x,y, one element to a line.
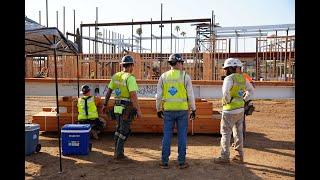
<point>160,114</point>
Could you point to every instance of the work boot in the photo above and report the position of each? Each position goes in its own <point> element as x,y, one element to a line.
<point>220,160</point>
<point>164,165</point>
<point>94,134</point>
<point>183,165</point>
<point>237,159</point>
<point>120,156</point>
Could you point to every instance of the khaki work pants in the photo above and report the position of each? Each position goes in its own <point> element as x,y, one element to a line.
<point>231,123</point>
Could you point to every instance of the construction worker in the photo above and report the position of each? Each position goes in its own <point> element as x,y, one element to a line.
<point>175,90</point>
<point>233,88</point>
<point>245,75</point>
<point>126,103</point>
<point>87,112</point>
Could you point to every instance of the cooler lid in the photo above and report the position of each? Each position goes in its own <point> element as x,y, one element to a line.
<point>31,127</point>
<point>76,127</point>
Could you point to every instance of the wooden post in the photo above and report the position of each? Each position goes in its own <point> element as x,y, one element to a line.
<point>207,61</point>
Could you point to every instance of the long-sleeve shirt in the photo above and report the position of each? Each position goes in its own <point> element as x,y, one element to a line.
<point>188,85</point>
<point>226,87</point>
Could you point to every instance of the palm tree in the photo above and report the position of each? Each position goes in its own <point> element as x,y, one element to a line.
<point>139,32</point>
<point>177,28</point>
<point>183,34</point>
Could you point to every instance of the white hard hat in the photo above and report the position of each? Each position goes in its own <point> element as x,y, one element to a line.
<point>230,62</point>
<point>239,63</point>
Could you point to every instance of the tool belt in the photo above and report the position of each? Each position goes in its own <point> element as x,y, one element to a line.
<point>119,102</point>
<point>124,109</point>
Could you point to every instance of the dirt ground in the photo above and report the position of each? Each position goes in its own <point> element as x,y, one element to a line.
<point>269,151</point>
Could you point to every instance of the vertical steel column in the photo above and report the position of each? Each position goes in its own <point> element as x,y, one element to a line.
<point>64,20</point>
<point>275,57</point>
<point>89,41</point>
<point>78,74</point>
<point>96,51</point>
<point>285,57</point>
<point>123,45</point>
<point>151,35</point>
<point>236,41</point>
<point>266,57</point>
<point>280,58</point>
<point>96,32</point>
<point>171,37</point>
<point>47,12</point>
<point>132,36</point>
<point>110,42</point>
<point>161,41</point>
<point>103,41</point>
<point>257,58</point>
<point>211,44</point>
<point>96,44</point>
<point>39,17</point>
<point>57,19</point>
<point>81,41</point>
<point>213,48</point>
<point>229,47</point>
<point>140,38</point>
<point>74,25</point>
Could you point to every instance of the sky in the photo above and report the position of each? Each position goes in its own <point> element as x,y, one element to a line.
<point>227,13</point>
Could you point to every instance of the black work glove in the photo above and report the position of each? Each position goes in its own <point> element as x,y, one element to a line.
<point>246,103</point>
<point>193,115</point>
<point>160,114</point>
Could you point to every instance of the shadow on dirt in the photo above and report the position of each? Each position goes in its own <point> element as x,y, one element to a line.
<point>102,165</point>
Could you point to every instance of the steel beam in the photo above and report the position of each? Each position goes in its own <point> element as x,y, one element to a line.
<point>149,22</point>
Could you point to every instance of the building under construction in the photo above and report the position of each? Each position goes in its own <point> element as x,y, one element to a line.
<point>272,60</point>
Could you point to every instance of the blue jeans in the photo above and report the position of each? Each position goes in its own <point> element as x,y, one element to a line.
<point>181,120</point>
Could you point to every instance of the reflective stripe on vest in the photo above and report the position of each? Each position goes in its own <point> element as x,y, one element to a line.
<point>236,93</point>
<point>174,91</point>
<point>92,108</point>
<point>121,89</point>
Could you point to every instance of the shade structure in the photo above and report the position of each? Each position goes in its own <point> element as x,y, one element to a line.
<point>45,41</point>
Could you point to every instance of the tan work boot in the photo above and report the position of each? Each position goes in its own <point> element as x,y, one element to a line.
<point>237,158</point>
<point>164,165</point>
<point>220,160</point>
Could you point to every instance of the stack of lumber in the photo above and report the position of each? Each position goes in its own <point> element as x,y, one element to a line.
<point>207,121</point>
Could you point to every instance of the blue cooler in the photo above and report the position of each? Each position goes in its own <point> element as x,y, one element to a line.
<point>31,138</point>
<point>75,139</point>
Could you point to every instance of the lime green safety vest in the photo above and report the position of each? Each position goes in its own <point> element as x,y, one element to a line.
<point>91,111</point>
<point>120,81</point>
<point>236,93</point>
<point>174,91</point>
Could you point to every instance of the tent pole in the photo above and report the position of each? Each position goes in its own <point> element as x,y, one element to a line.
<point>55,74</point>
<point>78,75</point>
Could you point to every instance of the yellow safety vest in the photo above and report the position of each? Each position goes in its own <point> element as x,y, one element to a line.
<point>236,93</point>
<point>120,81</point>
<point>92,108</point>
<point>174,91</point>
